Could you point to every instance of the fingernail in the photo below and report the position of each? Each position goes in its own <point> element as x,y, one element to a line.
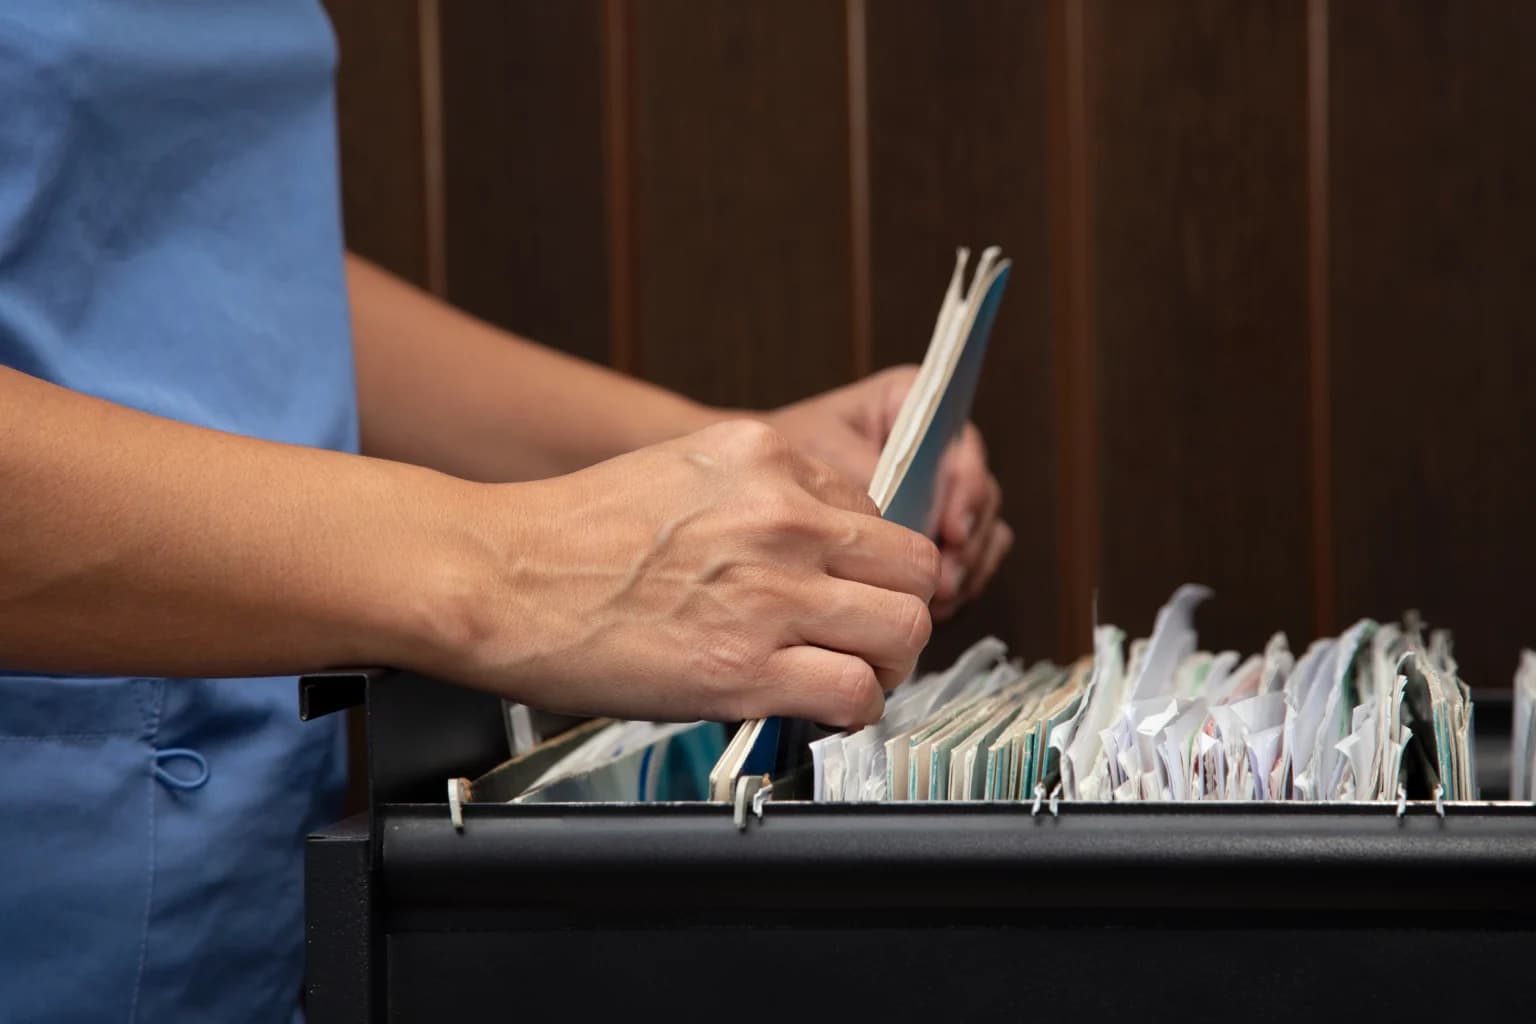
<point>968,523</point>
<point>952,578</point>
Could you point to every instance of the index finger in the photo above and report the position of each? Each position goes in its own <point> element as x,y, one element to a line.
<point>882,554</point>
<point>830,486</point>
<point>970,492</point>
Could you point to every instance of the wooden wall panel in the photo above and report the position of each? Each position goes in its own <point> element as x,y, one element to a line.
<point>1434,322</point>
<point>713,193</point>
<point>1199,290</point>
<point>738,172</point>
<point>378,101</point>
<point>525,232</point>
<point>956,112</point>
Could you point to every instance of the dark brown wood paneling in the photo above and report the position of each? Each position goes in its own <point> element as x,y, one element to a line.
<point>378,100</point>
<point>1073,352</point>
<point>525,236</point>
<point>1199,255</point>
<point>739,230</point>
<point>957,157</point>
<point>1319,318</point>
<point>1434,366</point>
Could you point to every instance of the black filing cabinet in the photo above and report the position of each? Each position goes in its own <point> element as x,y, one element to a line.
<point>897,912</point>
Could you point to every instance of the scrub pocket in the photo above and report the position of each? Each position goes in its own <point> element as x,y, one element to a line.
<point>77,788</point>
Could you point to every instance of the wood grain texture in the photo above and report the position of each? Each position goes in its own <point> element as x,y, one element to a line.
<point>525,232</point>
<point>1319,318</point>
<point>957,157</point>
<point>739,198</point>
<point>1199,256</point>
<point>1434,366</point>
<point>1074,353</point>
<point>378,102</point>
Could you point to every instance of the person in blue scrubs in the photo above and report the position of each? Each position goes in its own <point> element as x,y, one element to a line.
<point>230,453</point>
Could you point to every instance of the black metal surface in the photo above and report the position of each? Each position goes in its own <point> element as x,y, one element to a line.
<point>1493,716</point>
<point>1172,967</point>
<point>421,733</point>
<point>324,693</point>
<point>341,929</point>
<point>958,857</point>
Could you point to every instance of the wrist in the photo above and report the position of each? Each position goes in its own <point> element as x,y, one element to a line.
<point>437,608</point>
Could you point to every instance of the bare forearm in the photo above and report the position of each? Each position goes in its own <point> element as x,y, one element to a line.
<point>134,545</point>
<point>439,388</point>
<point>131,544</point>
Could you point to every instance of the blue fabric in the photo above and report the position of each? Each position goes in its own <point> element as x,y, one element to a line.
<point>169,240</point>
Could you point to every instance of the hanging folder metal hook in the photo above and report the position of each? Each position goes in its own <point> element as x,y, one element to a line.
<point>459,794</point>
<point>752,791</point>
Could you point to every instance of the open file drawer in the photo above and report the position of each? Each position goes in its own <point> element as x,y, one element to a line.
<point>903,911</point>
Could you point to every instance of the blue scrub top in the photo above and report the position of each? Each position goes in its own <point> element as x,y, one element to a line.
<point>169,240</point>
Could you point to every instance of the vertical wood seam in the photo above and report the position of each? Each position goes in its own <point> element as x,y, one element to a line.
<point>434,213</point>
<point>622,350</point>
<point>1074,357</point>
<point>860,274</point>
<point>1319,384</point>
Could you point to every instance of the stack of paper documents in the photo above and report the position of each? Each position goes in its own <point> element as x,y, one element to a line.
<point>979,731</point>
<point>1174,722</point>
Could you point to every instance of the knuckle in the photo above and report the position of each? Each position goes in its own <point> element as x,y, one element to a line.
<point>854,692</point>
<point>728,671</point>
<point>729,660</point>
<point>916,624</point>
<point>755,439</point>
<point>776,511</point>
<point>845,534</point>
<point>925,558</point>
<point>827,480</point>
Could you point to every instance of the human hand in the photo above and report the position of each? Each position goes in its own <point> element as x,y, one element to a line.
<point>847,427</point>
<point>721,575</point>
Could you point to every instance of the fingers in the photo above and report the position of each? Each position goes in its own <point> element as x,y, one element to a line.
<point>884,629</point>
<point>833,486</point>
<point>969,510</point>
<point>885,555</point>
<point>998,546</point>
<point>999,543</point>
<point>820,685</point>
<point>972,496</point>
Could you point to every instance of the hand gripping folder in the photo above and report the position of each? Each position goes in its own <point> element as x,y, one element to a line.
<point>905,483</point>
